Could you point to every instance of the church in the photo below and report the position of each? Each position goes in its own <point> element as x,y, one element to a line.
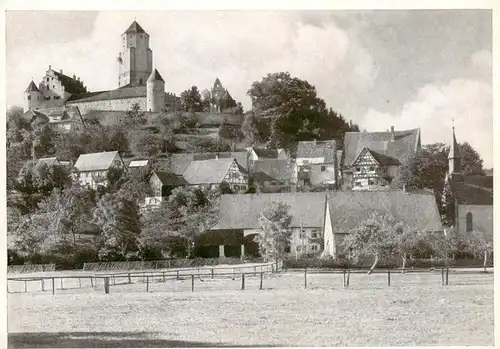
<point>138,84</point>
<point>471,196</point>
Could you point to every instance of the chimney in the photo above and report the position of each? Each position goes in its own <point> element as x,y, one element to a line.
<point>50,67</point>
<point>60,71</point>
<point>74,77</point>
<point>392,134</point>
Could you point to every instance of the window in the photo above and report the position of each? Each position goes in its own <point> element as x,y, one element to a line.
<point>140,81</point>
<point>468,222</point>
<point>372,168</point>
<point>48,79</point>
<point>314,235</point>
<point>314,247</point>
<point>53,86</point>
<point>371,182</point>
<point>323,168</point>
<point>29,98</point>
<point>357,184</point>
<point>57,97</point>
<point>358,169</point>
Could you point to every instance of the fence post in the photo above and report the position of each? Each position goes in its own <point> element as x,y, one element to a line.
<point>25,287</point>
<point>62,285</point>
<point>147,283</point>
<point>254,270</point>
<point>234,274</point>
<point>243,281</point>
<point>163,273</point>
<point>91,281</point>
<point>277,267</point>
<point>389,277</point>
<point>344,279</point>
<point>305,278</point>
<point>114,280</point>
<point>129,279</point>
<point>80,282</point>
<point>348,276</point>
<point>212,273</point>
<point>442,276</point>
<point>261,277</point>
<point>43,285</point>
<point>106,284</point>
<point>447,271</point>
<point>192,282</point>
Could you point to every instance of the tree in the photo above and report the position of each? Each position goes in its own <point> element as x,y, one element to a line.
<point>119,221</point>
<point>479,245</point>
<point>374,237</point>
<point>134,116</point>
<point>472,164</point>
<point>191,100</point>
<point>445,245</point>
<point>274,236</point>
<point>249,129</point>
<point>146,143</point>
<point>206,99</point>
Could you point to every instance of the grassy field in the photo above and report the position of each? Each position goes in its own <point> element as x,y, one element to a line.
<point>415,310</point>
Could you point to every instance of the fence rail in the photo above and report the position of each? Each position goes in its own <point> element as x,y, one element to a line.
<point>158,264</point>
<point>30,268</point>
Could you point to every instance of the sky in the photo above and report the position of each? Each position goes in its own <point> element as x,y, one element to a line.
<point>379,68</point>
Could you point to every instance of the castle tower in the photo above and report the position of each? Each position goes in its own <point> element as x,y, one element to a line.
<point>454,157</point>
<point>155,93</point>
<point>135,60</point>
<point>32,96</point>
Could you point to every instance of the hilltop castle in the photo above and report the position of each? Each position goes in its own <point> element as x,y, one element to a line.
<point>137,83</point>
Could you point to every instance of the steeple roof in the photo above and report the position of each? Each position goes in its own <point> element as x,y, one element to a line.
<point>454,150</point>
<point>155,76</point>
<point>32,87</point>
<point>135,28</point>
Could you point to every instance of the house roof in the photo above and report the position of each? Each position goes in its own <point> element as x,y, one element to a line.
<point>242,211</point>
<point>95,161</point>
<point>32,87</point>
<point>34,115</point>
<point>56,114</point>
<point>266,153</point>
<point>318,149</point>
<point>272,169</point>
<point>71,85</point>
<point>168,178</point>
<point>417,210</point>
<point>48,161</point>
<point>138,163</point>
<point>155,76</point>
<point>178,163</point>
<point>380,158</point>
<point>473,190</point>
<point>120,93</point>
<point>210,171</point>
<point>404,144</point>
<point>135,28</point>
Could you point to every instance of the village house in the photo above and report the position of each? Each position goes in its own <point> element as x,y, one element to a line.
<point>239,214</point>
<point>177,163</point>
<point>345,210</point>
<point>266,154</point>
<point>274,175</point>
<point>472,197</point>
<point>53,161</point>
<point>373,159</point>
<point>92,169</point>
<point>60,119</point>
<point>213,172</point>
<point>161,184</point>
<point>137,164</point>
<point>316,164</point>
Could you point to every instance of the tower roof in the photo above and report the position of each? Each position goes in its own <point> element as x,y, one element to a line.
<point>155,76</point>
<point>135,28</point>
<point>454,150</point>
<point>32,87</point>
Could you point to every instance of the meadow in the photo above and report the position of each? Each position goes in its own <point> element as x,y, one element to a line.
<point>415,310</point>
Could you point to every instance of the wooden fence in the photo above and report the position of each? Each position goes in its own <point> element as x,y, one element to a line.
<point>30,268</point>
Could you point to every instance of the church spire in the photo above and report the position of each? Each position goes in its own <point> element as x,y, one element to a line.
<point>454,155</point>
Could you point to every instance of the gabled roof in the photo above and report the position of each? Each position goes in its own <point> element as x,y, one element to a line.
<point>32,87</point>
<point>34,115</point>
<point>417,210</point>
<point>272,169</point>
<point>95,161</point>
<point>210,171</point>
<point>71,85</point>
<point>135,28</point>
<point>473,190</point>
<point>155,76</point>
<point>48,161</point>
<point>380,158</point>
<point>178,163</point>
<point>61,114</point>
<point>168,178</point>
<point>128,92</point>
<point>266,153</point>
<point>403,146</point>
<point>242,211</point>
<point>138,163</point>
<point>318,149</point>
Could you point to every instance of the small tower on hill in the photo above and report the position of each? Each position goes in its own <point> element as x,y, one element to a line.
<point>32,96</point>
<point>155,93</point>
<point>135,60</point>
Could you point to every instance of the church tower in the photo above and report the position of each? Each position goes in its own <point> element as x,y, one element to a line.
<point>155,93</point>
<point>32,97</point>
<point>135,60</point>
<point>454,157</point>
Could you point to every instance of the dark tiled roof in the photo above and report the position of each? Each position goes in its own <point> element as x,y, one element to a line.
<point>272,169</point>
<point>32,87</point>
<point>179,162</point>
<point>168,178</point>
<point>417,210</point>
<point>135,28</point>
<point>71,85</point>
<point>210,171</point>
<point>61,114</point>
<point>31,115</point>
<point>242,211</point>
<point>95,161</point>
<point>473,190</point>
<point>155,76</point>
<point>266,153</point>
<point>318,149</point>
<point>404,144</point>
<point>384,159</point>
<point>128,92</point>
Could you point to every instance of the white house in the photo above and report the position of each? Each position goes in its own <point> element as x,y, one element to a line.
<point>266,154</point>
<point>317,163</point>
<point>92,169</point>
<point>345,210</point>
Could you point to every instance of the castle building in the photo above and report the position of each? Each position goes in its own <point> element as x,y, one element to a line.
<point>220,98</point>
<point>138,83</point>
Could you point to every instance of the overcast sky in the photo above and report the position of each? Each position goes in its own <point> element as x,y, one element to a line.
<point>415,68</point>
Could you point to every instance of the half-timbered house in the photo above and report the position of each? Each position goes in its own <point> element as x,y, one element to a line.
<point>92,169</point>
